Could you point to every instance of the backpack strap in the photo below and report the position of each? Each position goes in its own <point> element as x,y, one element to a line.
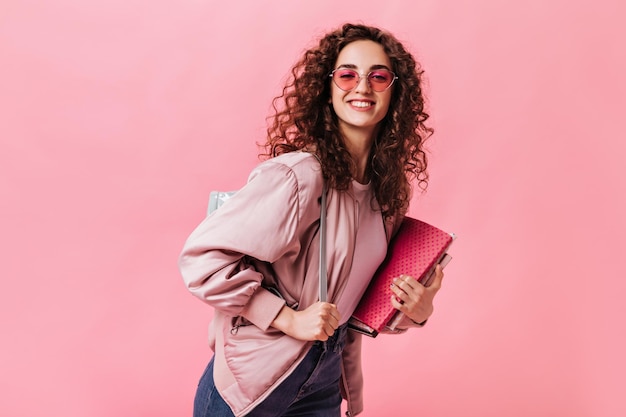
<point>323,292</point>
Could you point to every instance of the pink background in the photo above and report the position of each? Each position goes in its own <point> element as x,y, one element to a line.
<point>118,117</point>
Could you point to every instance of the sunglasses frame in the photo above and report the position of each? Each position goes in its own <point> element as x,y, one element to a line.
<point>394,77</point>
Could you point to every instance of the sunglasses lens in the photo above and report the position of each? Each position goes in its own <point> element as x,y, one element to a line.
<point>346,79</point>
<point>380,80</point>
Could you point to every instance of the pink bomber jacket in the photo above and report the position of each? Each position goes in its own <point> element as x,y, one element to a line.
<point>238,263</point>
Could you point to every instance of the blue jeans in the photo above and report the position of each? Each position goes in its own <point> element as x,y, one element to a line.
<point>312,390</point>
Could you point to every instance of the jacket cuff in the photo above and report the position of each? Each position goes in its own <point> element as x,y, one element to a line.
<point>416,324</point>
<point>262,308</point>
<point>407,323</point>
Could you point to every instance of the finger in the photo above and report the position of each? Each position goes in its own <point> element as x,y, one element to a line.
<point>409,282</point>
<point>323,336</point>
<point>336,314</point>
<point>330,317</point>
<point>398,305</point>
<point>412,287</point>
<point>438,277</point>
<point>402,284</point>
<point>332,312</point>
<point>400,296</point>
<point>398,293</point>
<point>331,324</point>
<point>329,329</point>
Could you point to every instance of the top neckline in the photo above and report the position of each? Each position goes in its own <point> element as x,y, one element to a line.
<point>362,187</point>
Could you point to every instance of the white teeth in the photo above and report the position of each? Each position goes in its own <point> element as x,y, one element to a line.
<point>361,103</point>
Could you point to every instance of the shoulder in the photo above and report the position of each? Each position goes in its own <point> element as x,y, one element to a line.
<point>301,167</point>
<point>295,179</point>
<point>296,161</point>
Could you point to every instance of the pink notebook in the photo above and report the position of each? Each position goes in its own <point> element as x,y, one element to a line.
<point>415,250</point>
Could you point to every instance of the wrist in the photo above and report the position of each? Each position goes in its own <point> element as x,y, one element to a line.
<point>284,320</point>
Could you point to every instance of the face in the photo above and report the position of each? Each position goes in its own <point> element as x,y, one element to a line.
<point>361,109</point>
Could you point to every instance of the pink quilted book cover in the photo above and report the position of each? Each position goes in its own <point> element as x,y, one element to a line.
<point>415,250</point>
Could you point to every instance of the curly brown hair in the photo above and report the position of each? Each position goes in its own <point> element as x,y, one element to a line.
<point>304,119</point>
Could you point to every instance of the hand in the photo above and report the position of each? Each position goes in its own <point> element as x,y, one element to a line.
<point>414,299</point>
<point>317,322</point>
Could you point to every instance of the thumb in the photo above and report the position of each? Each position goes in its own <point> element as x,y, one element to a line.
<point>436,282</point>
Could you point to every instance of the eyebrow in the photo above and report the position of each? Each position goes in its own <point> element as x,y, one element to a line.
<point>373,67</point>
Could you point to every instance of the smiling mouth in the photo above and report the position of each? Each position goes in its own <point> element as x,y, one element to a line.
<point>361,104</point>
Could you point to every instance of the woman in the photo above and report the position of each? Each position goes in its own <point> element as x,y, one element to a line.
<point>352,117</point>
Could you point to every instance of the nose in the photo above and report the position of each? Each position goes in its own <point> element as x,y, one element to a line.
<point>363,86</point>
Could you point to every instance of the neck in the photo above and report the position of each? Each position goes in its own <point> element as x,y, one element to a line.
<point>359,144</point>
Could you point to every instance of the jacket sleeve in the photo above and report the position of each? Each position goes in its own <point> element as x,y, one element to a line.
<point>260,221</point>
